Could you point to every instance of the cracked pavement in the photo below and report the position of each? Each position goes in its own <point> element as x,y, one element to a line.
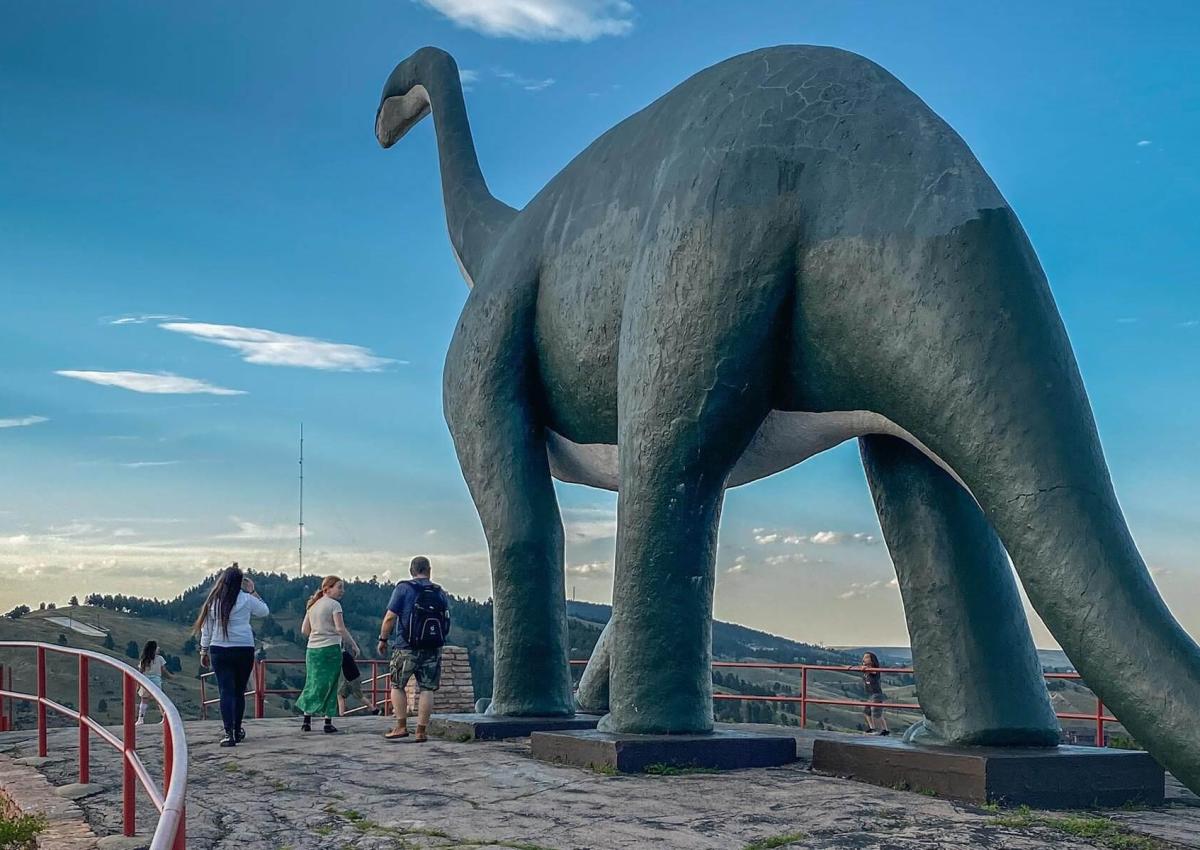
<point>284,790</point>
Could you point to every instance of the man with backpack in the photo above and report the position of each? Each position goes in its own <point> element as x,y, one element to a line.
<point>414,629</point>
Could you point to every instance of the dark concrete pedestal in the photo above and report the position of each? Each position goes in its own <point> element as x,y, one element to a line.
<point>719,750</point>
<point>1051,778</point>
<point>488,727</point>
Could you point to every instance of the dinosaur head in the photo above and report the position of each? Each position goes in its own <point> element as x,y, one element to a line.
<point>399,114</point>
<point>405,100</point>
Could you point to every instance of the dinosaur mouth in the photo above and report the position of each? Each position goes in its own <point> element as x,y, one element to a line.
<point>399,114</point>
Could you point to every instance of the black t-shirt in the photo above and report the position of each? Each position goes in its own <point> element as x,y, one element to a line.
<point>872,684</point>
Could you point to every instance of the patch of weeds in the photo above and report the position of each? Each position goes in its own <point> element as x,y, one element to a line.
<point>324,829</point>
<point>464,738</point>
<point>927,792</point>
<point>603,769</point>
<point>993,806</point>
<point>231,767</point>
<point>1100,830</point>
<point>775,841</point>
<point>675,770</point>
<point>21,832</point>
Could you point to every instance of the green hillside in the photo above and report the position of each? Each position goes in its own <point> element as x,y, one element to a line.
<point>132,619</point>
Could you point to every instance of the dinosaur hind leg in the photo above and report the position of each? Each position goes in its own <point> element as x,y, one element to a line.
<point>684,419</point>
<point>965,619</point>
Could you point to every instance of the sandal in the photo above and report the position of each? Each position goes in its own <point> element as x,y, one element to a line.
<point>396,732</point>
<point>420,737</point>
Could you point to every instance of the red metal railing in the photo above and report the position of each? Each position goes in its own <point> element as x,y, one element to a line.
<point>170,833</point>
<point>379,695</point>
<point>1100,717</point>
<point>260,691</point>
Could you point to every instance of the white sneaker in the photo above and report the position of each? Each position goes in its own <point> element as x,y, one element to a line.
<point>140,722</point>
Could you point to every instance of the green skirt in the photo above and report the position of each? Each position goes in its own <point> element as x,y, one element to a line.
<point>323,669</point>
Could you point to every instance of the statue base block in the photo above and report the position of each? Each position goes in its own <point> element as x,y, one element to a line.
<point>493,727</point>
<point>608,751</point>
<point>1052,778</point>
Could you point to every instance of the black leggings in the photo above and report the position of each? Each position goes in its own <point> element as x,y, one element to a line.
<point>232,666</point>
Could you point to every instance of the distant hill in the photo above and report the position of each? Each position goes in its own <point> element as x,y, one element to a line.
<point>732,642</point>
<point>1053,660</point>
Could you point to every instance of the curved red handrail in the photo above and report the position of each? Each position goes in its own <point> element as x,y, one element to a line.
<point>170,803</point>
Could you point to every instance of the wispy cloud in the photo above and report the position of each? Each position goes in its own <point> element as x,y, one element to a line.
<point>143,319</point>
<point>595,569</point>
<point>763,537</point>
<point>539,20</point>
<point>23,421</point>
<point>247,530</point>
<point>740,564</point>
<point>143,464</point>
<point>582,525</point>
<point>271,348</point>
<point>468,77</point>
<point>1145,143</point>
<point>527,83</point>
<point>146,382</point>
<point>863,588</point>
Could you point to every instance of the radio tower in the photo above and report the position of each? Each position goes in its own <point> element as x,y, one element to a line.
<point>301,549</point>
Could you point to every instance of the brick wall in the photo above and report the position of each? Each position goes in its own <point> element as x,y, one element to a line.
<point>456,693</point>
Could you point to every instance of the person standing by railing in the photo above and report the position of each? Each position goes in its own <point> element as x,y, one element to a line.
<point>228,639</point>
<point>872,683</point>
<point>155,667</point>
<point>327,634</point>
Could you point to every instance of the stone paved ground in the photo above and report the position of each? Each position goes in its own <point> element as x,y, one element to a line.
<point>284,791</point>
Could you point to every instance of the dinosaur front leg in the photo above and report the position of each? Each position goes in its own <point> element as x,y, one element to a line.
<point>965,619</point>
<point>500,441</point>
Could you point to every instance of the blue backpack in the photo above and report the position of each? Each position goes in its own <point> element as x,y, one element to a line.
<point>429,621</point>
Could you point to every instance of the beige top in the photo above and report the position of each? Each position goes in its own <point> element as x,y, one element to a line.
<point>320,620</point>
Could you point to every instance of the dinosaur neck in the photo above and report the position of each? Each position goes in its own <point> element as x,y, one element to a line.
<point>474,217</point>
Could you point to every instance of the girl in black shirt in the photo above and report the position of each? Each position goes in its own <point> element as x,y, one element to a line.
<point>874,689</point>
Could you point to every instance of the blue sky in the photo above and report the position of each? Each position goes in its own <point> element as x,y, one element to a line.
<point>176,180</point>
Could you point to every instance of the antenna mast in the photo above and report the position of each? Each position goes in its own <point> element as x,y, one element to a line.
<point>301,549</point>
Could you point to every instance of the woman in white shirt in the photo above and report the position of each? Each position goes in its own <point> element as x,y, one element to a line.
<point>327,633</point>
<point>227,638</point>
<point>155,667</point>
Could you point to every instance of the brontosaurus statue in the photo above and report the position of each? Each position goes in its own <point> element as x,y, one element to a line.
<point>788,250</point>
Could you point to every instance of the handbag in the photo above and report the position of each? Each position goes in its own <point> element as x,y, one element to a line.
<point>349,668</point>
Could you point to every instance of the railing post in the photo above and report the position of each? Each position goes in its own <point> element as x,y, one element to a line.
<point>803,697</point>
<point>181,833</point>
<point>3,716</point>
<point>260,685</point>
<point>12,717</point>
<point>1099,721</point>
<point>41,707</point>
<point>203,700</point>
<point>85,749</point>
<point>128,778</point>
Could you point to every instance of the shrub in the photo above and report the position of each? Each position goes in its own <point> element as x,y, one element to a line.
<point>18,833</point>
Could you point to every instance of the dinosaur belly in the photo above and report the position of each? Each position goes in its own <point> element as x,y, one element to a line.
<point>785,439</point>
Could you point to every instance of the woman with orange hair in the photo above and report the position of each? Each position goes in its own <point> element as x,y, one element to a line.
<point>327,634</point>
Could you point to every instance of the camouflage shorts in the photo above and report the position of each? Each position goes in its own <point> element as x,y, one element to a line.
<point>351,688</point>
<point>424,664</point>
